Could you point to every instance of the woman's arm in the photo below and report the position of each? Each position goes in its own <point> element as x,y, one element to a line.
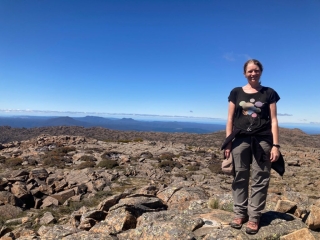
<point>229,127</point>
<point>275,153</point>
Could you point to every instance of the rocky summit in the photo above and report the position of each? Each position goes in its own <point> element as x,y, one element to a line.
<point>77,183</point>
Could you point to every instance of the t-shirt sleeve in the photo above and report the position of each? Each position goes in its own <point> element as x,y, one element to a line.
<point>274,97</point>
<point>232,96</point>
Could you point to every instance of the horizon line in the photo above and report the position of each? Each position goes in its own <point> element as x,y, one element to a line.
<point>102,113</point>
<point>130,114</point>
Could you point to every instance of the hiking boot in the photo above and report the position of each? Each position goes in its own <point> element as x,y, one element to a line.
<point>252,227</point>
<point>238,222</point>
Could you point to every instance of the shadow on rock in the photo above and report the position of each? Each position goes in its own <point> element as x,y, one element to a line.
<point>269,217</point>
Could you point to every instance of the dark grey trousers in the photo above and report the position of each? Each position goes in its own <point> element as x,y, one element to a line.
<point>260,175</point>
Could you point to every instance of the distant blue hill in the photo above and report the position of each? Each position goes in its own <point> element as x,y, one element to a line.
<point>111,123</point>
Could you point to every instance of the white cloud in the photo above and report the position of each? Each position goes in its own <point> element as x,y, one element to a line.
<point>230,56</point>
<point>284,114</point>
<point>246,56</point>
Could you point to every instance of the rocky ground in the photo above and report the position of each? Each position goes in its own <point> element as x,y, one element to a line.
<point>103,184</point>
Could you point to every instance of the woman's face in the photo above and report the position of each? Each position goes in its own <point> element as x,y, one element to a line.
<point>253,74</point>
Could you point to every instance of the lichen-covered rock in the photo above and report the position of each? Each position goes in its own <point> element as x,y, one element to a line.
<point>223,234</point>
<point>49,201</point>
<point>156,231</point>
<point>313,220</point>
<point>167,193</point>
<point>182,220</point>
<point>3,183</point>
<point>9,198</point>
<point>107,203</point>
<point>8,211</point>
<point>90,218</point>
<point>8,236</point>
<point>121,219</point>
<point>285,206</point>
<point>64,195</point>
<point>56,231</point>
<point>19,189</point>
<point>78,177</point>
<point>87,223</point>
<point>148,190</point>
<point>17,221</point>
<point>23,232</point>
<point>104,227</point>
<point>303,233</point>
<point>39,173</point>
<point>84,235</point>
<point>47,218</point>
<point>181,198</point>
<point>141,203</point>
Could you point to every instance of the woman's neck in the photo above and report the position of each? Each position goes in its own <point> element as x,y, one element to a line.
<point>251,89</point>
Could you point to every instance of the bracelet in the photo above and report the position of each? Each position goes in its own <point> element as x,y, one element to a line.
<point>276,145</point>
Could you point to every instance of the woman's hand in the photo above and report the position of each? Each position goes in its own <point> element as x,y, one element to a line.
<point>227,150</point>
<point>275,154</point>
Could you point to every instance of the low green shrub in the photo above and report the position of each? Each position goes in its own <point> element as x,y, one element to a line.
<point>192,168</point>
<point>166,156</point>
<point>123,141</point>
<point>166,163</point>
<point>182,154</point>
<point>178,165</point>
<point>13,162</point>
<point>169,164</point>
<point>138,140</point>
<point>87,158</point>
<point>53,161</point>
<point>146,154</point>
<point>63,149</point>
<point>215,168</point>
<point>216,203</point>
<point>57,157</point>
<point>213,203</point>
<point>94,149</point>
<point>107,163</point>
<point>63,210</point>
<point>183,175</point>
<point>2,220</point>
<point>110,155</point>
<point>2,159</point>
<point>84,165</point>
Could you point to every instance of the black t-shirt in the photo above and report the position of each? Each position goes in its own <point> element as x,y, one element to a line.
<point>252,110</point>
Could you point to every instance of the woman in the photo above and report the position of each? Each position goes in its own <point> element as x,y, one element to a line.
<point>253,126</point>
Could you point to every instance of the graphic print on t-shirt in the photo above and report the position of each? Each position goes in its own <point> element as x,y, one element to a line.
<point>251,109</point>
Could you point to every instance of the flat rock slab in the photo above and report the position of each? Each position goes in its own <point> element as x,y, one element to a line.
<point>178,219</point>
<point>88,236</point>
<point>56,232</point>
<point>181,197</point>
<point>8,211</point>
<point>141,202</point>
<point>157,231</point>
<point>273,225</point>
<point>304,234</point>
<point>77,177</point>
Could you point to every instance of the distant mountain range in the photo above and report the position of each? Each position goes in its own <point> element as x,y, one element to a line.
<point>110,123</point>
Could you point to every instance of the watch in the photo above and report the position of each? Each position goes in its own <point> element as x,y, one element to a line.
<point>276,145</point>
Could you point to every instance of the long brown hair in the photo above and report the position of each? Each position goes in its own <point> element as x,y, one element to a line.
<point>255,62</point>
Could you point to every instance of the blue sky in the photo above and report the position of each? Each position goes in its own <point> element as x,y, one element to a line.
<point>173,57</point>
